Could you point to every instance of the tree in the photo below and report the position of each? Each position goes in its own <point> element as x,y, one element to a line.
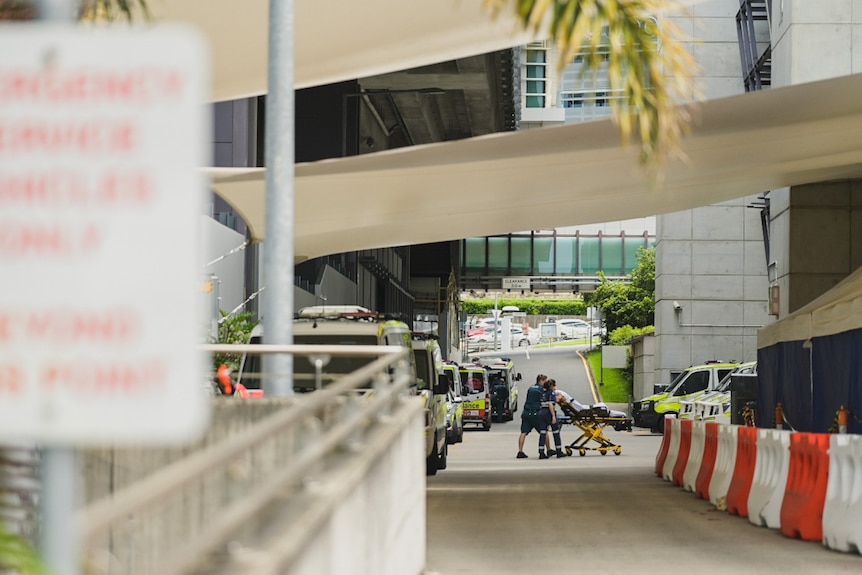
<point>647,62</point>
<point>633,303</point>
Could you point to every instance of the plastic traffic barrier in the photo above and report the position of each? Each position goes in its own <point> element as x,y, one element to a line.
<point>695,456</point>
<point>707,464</point>
<point>770,477</point>
<point>842,511</point>
<point>743,472</point>
<point>673,448</point>
<point>805,494</point>
<point>725,461</point>
<point>684,449</point>
<point>661,456</point>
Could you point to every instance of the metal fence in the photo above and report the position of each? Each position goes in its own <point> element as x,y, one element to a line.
<point>274,485</point>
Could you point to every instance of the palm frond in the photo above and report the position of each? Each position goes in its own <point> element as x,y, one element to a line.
<point>646,61</point>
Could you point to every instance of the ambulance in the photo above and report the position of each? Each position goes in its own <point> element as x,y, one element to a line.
<point>477,399</point>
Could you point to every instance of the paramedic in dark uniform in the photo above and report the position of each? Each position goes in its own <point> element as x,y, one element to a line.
<point>549,419</point>
<point>531,418</point>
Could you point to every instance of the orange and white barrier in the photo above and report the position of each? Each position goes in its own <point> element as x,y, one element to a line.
<point>684,426</point>
<point>725,461</point>
<point>770,477</point>
<point>743,472</point>
<point>842,511</point>
<point>673,448</point>
<point>695,455</point>
<point>805,494</point>
<point>707,464</point>
<point>661,456</point>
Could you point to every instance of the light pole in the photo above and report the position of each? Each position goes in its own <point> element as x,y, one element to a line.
<point>345,96</point>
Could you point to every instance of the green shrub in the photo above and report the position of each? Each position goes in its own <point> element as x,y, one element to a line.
<point>482,306</point>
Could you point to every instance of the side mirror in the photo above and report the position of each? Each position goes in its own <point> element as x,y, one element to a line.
<point>442,385</point>
<point>517,377</point>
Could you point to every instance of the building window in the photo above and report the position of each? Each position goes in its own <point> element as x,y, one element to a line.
<point>572,99</point>
<point>536,72</point>
<point>543,255</point>
<point>498,255</point>
<point>474,253</point>
<point>567,255</point>
<point>601,99</point>
<point>612,256</point>
<point>521,256</point>
<point>589,250</point>
<point>535,101</point>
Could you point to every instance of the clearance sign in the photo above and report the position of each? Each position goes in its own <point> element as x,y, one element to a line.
<point>102,134</point>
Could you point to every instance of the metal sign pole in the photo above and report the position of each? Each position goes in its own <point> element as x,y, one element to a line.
<point>58,540</point>
<point>278,251</point>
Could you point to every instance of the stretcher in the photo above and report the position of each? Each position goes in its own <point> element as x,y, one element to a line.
<point>591,421</point>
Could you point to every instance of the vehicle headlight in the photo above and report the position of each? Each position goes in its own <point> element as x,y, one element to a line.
<point>645,405</point>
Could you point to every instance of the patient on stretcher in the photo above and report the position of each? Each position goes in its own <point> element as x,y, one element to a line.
<point>574,409</point>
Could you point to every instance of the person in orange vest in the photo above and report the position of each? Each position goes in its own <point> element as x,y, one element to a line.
<point>228,386</point>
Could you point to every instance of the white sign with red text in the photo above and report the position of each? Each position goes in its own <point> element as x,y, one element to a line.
<point>102,136</point>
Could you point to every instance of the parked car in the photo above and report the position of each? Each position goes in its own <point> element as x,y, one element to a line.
<point>455,404</point>
<point>650,411</point>
<point>715,406</point>
<point>575,329</point>
<point>517,337</point>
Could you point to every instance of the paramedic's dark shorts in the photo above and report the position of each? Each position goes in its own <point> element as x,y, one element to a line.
<point>531,420</point>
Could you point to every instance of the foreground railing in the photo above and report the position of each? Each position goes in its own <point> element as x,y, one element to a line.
<point>330,481</point>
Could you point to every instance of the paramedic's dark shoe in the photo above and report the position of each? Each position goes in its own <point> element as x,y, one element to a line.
<point>522,455</point>
<point>542,455</point>
<point>560,453</point>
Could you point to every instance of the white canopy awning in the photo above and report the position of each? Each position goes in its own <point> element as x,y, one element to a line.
<point>562,176</point>
<point>836,311</point>
<point>337,40</point>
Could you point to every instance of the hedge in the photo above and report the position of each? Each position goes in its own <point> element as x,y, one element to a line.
<point>528,306</point>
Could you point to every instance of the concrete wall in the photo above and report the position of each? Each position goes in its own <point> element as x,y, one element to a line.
<point>816,229</point>
<point>710,260</point>
<point>643,356</point>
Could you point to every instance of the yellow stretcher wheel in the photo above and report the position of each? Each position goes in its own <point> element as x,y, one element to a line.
<point>582,452</point>
<point>618,450</point>
<point>569,451</point>
<point>603,451</point>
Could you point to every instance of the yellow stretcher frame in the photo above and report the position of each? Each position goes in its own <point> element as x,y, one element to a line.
<point>591,422</point>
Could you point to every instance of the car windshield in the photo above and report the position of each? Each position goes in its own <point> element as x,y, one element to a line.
<point>303,368</point>
<point>473,382</point>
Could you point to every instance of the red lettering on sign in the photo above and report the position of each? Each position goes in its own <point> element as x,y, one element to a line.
<point>110,326</point>
<point>93,136</point>
<point>11,380</point>
<point>104,379</point>
<point>91,86</point>
<point>68,188</point>
<point>49,239</point>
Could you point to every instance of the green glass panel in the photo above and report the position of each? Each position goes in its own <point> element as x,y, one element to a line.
<point>535,101</point>
<point>498,255</point>
<point>567,256</point>
<point>521,256</point>
<point>544,255</point>
<point>536,56</point>
<point>589,255</point>
<point>474,254</point>
<point>535,71</point>
<point>612,256</point>
<point>535,87</point>
<point>630,249</point>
